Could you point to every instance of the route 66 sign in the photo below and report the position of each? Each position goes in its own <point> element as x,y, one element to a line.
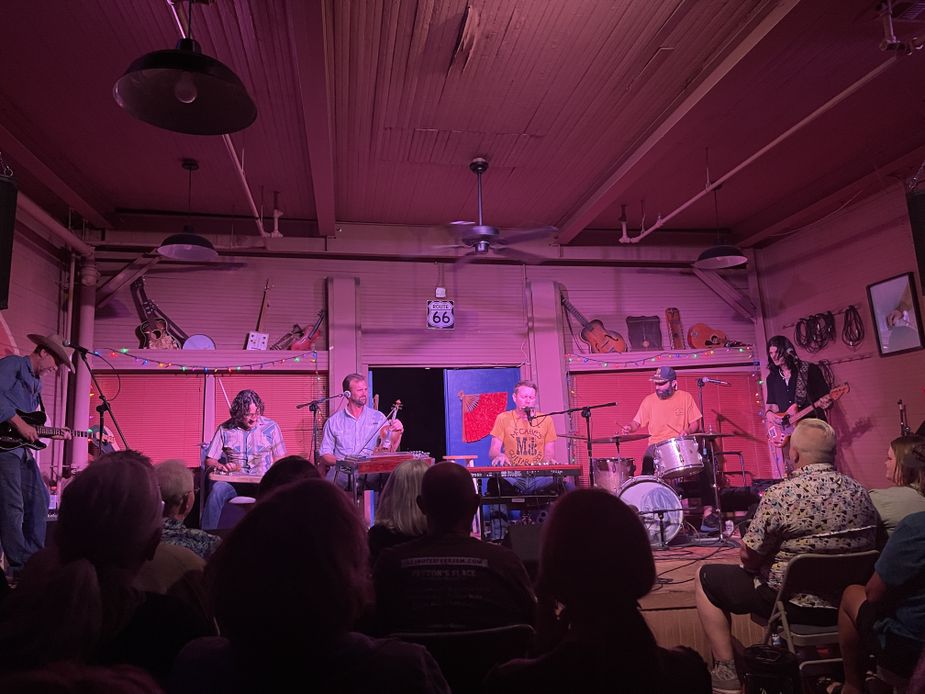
<point>440,314</point>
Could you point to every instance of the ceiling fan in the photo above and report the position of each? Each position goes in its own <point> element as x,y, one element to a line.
<point>486,241</point>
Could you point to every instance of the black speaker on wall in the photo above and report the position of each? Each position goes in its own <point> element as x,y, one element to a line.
<point>915,201</point>
<point>7,221</point>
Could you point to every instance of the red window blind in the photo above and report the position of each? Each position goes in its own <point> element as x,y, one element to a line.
<point>729,410</point>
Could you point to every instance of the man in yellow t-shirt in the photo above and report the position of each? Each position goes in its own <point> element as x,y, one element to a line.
<point>667,413</point>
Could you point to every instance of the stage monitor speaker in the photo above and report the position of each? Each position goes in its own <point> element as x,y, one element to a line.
<point>915,201</point>
<point>7,222</point>
<point>524,540</point>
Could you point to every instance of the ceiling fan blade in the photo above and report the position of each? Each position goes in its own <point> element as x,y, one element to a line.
<point>517,235</point>
<point>468,258</point>
<point>526,258</point>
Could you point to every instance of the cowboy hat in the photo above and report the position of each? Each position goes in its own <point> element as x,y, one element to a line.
<point>54,345</point>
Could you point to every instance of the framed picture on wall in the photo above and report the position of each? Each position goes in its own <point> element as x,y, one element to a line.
<point>896,315</point>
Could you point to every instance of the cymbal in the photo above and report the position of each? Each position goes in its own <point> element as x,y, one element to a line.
<point>704,435</point>
<point>579,437</point>
<point>621,438</point>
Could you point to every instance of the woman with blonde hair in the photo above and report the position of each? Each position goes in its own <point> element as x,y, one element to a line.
<point>398,517</point>
<point>905,468</point>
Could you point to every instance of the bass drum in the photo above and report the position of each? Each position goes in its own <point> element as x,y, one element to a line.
<point>649,496</point>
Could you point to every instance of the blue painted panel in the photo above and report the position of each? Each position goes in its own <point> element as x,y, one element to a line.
<point>473,381</point>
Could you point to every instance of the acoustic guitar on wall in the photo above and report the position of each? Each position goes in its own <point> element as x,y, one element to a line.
<point>594,334</point>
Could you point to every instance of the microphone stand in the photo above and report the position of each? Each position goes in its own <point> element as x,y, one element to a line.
<point>104,405</point>
<point>586,413</point>
<point>720,540</point>
<point>312,405</point>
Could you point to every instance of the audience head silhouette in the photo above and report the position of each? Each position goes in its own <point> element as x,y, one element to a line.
<point>292,468</point>
<point>594,551</point>
<point>448,498</point>
<point>111,513</point>
<point>302,550</point>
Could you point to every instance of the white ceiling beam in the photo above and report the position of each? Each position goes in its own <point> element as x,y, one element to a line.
<point>738,301</point>
<point>309,44</point>
<point>608,194</point>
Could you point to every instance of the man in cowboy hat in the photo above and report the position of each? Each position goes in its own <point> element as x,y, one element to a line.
<point>23,496</point>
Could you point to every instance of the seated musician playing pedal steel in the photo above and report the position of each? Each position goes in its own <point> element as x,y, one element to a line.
<point>356,431</point>
<point>246,443</point>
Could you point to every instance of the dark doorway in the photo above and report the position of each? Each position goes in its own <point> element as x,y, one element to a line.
<point>423,411</point>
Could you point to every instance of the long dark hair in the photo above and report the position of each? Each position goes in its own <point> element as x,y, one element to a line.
<point>242,403</point>
<point>909,452</point>
<point>786,349</point>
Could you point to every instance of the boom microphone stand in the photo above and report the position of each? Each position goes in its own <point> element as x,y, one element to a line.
<point>586,413</point>
<point>708,441</point>
<point>104,405</point>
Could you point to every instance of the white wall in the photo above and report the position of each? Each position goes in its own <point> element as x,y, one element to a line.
<point>826,268</point>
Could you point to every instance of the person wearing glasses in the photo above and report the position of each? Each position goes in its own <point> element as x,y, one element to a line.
<point>247,443</point>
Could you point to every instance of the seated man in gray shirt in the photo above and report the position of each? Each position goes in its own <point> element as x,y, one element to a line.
<point>355,430</point>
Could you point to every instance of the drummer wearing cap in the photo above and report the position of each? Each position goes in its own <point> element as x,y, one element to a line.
<point>667,413</point>
<point>23,496</point>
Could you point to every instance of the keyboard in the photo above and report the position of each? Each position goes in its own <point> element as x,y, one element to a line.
<point>525,470</point>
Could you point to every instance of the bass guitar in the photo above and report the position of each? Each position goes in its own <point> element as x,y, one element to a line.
<point>594,334</point>
<point>780,425</point>
<point>11,439</point>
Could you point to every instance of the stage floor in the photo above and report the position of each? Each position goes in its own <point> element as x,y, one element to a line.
<point>670,610</point>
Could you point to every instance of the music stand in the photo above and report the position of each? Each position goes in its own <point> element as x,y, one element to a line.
<point>707,447</point>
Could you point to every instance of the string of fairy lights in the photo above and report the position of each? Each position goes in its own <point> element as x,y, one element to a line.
<point>142,360</point>
<point>740,353</point>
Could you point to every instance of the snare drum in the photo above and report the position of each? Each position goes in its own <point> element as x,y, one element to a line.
<point>612,473</point>
<point>677,458</point>
<point>650,496</point>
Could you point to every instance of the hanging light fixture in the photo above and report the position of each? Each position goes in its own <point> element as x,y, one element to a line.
<point>187,245</point>
<point>720,256</point>
<point>185,91</point>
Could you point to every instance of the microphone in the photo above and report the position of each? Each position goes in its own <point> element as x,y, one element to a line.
<point>77,348</point>
<point>529,412</point>
<point>345,394</point>
<point>714,381</point>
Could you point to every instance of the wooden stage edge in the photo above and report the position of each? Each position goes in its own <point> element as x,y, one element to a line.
<point>670,610</point>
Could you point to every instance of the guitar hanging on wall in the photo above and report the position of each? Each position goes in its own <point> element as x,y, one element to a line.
<point>298,339</point>
<point>257,340</point>
<point>156,331</point>
<point>594,334</point>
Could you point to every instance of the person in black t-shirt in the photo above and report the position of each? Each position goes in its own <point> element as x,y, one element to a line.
<point>794,382</point>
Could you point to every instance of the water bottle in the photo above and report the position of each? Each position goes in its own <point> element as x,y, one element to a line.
<point>729,528</point>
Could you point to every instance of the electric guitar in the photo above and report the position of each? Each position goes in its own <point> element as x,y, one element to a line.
<point>594,334</point>
<point>256,339</point>
<point>780,425</point>
<point>11,439</point>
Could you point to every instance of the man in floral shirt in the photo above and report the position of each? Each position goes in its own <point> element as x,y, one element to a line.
<point>816,510</point>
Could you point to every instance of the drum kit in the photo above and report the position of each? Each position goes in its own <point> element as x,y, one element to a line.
<point>652,496</point>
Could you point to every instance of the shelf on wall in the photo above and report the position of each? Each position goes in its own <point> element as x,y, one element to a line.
<point>730,358</point>
<point>217,360</point>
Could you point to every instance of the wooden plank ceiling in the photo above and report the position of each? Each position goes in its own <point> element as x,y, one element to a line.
<point>370,110</point>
